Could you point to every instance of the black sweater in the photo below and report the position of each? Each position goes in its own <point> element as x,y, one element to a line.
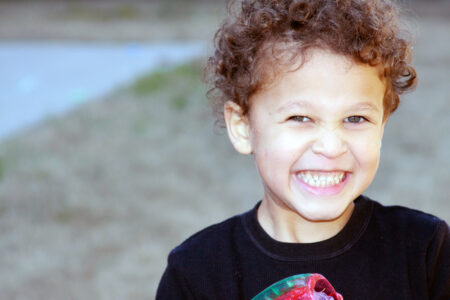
<point>381,253</point>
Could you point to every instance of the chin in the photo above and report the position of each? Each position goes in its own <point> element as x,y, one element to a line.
<point>319,214</point>
<point>321,217</point>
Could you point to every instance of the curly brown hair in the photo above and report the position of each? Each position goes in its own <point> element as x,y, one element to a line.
<point>266,31</point>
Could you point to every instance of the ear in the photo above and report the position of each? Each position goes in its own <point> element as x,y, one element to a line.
<point>238,127</point>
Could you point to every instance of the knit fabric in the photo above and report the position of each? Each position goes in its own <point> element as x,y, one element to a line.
<point>381,253</point>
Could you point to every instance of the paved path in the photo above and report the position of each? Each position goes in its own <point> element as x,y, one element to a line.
<point>38,79</point>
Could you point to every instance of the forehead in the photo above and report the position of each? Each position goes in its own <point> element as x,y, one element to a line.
<point>320,77</point>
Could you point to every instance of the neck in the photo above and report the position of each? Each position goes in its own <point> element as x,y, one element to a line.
<point>285,225</point>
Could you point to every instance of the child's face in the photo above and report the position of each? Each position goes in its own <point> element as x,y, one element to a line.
<point>315,135</point>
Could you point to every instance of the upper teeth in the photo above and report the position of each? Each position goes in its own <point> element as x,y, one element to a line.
<point>317,179</point>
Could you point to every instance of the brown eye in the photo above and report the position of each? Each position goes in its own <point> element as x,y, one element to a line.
<point>300,119</point>
<point>355,119</point>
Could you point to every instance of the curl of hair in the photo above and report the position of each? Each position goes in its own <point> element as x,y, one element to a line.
<point>265,31</point>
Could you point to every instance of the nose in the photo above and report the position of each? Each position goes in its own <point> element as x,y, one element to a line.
<point>330,144</point>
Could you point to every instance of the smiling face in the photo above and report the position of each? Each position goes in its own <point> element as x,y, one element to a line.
<point>315,135</point>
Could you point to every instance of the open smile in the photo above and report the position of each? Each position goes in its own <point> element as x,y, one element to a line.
<point>323,183</point>
<point>321,179</point>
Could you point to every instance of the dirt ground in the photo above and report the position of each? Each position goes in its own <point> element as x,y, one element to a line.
<point>92,202</point>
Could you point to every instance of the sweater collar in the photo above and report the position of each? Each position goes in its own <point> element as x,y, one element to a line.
<point>331,247</point>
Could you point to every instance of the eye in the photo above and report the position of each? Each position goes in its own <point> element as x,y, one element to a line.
<point>299,119</point>
<point>355,119</point>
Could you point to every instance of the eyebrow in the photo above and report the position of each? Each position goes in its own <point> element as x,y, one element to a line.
<point>308,105</point>
<point>365,106</point>
<point>294,104</point>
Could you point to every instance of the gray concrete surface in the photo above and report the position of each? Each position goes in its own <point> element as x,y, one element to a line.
<point>39,79</point>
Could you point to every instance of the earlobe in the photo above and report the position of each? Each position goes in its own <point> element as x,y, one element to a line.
<point>237,127</point>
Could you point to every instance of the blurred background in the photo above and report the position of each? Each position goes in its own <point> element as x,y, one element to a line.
<point>109,156</point>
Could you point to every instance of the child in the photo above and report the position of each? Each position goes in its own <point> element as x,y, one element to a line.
<point>306,87</point>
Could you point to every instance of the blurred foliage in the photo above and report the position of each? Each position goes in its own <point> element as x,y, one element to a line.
<point>140,126</point>
<point>122,11</point>
<point>184,76</point>
<point>179,102</point>
<point>179,87</point>
<point>98,11</point>
<point>176,9</point>
<point>65,216</point>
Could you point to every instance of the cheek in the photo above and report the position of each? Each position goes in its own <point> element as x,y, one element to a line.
<point>366,148</point>
<point>286,147</point>
<point>271,144</point>
<point>276,152</point>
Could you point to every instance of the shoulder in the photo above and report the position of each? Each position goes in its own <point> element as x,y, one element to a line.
<point>205,262</point>
<point>208,244</point>
<point>410,223</point>
<point>415,244</point>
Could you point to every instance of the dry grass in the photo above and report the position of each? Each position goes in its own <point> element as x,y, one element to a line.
<point>98,197</point>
